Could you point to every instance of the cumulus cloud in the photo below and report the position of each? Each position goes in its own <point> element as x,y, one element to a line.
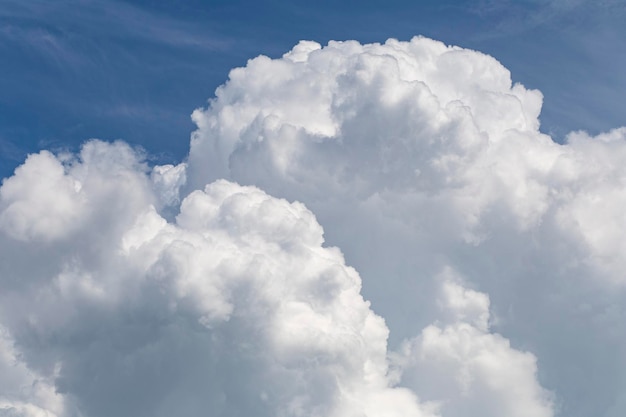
<point>216,286</point>
<point>235,308</point>
<point>470,370</point>
<point>416,156</point>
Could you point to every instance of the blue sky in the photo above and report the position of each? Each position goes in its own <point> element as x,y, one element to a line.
<point>72,70</point>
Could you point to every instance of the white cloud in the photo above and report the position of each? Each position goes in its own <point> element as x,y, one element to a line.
<point>415,156</point>
<point>175,297</point>
<point>595,195</point>
<point>235,308</point>
<point>466,369</point>
<point>39,201</point>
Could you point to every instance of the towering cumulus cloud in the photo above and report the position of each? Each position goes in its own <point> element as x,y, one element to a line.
<point>493,254</point>
<point>416,158</point>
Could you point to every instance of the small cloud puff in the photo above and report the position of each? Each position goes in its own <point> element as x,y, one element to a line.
<point>471,370</point>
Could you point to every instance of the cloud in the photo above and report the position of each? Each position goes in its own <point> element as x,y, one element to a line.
<point>23,392</point>
<point>470,370</point>
<point>491,254</point>
<point>522,17</point>
<point>234,308</point>
<point>416,156</point>
<point>110,19</point>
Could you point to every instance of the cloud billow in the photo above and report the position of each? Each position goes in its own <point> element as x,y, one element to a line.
<point>235,308</point>
<point>416,157</point>
<point>217,287</point>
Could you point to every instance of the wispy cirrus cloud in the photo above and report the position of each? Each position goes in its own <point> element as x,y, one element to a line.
<point>110,19</point>
<point>111,65</point>
<point>517,17</point>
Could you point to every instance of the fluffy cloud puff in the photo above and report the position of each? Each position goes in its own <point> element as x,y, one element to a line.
<point>416,156</point>
<point>471,370</point>
<point>235,308</point>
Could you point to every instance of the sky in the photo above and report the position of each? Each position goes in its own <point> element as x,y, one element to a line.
<point>296,209</point>
<point>75,70</point>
